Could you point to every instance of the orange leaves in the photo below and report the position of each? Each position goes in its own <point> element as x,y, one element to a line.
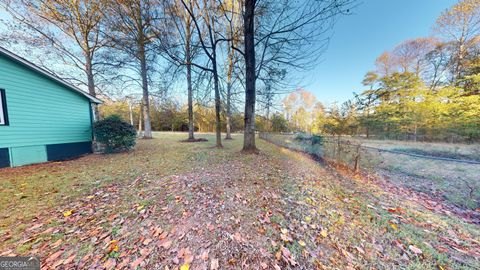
<point>113,246</point>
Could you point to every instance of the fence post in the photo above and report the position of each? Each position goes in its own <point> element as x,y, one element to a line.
<point>357,159</point>
<point>338,150</point>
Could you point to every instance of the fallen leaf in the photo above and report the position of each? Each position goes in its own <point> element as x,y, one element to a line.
<point>185,267</point>
<point>166,244</point>
<point>68,213</point>
<point>69,259</point>
<point>204,255</point>
<point>214,264</point>
<point>287,256</point>
<point>147,241</point>
<point>110,263</point>
<point>286,238</point>
<point>238,237</point>
<point>324,233</point>
<point>136,263</point>
<point>415,249</point>
<point>302,243</point>
<point>113,246</point>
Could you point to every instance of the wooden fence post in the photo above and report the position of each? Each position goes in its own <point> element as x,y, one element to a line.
<point>357,159</point>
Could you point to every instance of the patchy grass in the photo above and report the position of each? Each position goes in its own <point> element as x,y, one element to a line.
<point>454,182</point>
<point>468,150</point>
<point>169,203</point>
<point>440,153</point>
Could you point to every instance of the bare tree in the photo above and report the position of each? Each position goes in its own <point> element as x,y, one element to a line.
<point>72,28</point>
<point>439,60</point>
<point>232,14</point>
<point>288,33</point>
<point>410,55</point>
<point>460,24</point>
<point>180,47</point>
<point>132,31</point>
<point>207,22</point>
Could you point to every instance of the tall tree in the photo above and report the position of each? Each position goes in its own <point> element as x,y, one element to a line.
<point>181,47</point>
<point>283,33</point>
<point>231,11</point>
<point>72,28</point>
<point>410,55</point>
<point>207,19</point>
<point>461,25</point>
<point>250,76</point>
<point>132,30</point>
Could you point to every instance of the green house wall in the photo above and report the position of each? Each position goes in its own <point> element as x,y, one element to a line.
<point>41,112</point>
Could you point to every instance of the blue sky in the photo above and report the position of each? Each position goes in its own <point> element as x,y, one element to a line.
<point>374,27</point>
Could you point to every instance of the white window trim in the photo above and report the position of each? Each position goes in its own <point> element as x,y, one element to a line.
<point>2,110</point>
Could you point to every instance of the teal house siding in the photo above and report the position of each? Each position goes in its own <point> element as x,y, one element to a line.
<point>41,112</point>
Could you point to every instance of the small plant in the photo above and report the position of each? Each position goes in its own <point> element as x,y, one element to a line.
<point>316,139</point>
<point>301,136</point>
<point>115,134</point>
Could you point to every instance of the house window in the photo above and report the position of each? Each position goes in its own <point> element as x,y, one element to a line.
<point>3,109</point>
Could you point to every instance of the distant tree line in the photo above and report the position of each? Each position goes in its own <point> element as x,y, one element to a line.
<point>427,88</point>
<point>423,89</point>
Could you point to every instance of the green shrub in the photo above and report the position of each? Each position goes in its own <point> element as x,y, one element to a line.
<point>316,139</point>
<point>115,134</point>
<point>301,136</point>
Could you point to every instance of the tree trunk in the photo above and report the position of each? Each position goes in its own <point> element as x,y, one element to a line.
<point>229,111</point>
<point>140,118</point>
<point>188,36</point>
<point>91,84</point>
<point>146,102</point>
<point>250,95</point>
<point>218,126</point>
<point>130,112</point>
<point>415,133</point>
<point>231,55</point>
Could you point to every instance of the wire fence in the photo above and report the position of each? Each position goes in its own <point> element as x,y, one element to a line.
<point>453,179</point>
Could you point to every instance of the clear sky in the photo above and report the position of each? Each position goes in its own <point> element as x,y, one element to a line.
<point>374,27</point>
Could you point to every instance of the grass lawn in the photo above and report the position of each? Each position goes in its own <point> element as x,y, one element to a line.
<point>169,204</point>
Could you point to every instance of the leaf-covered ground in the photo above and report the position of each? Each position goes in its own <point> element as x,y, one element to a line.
<point>173,205</point>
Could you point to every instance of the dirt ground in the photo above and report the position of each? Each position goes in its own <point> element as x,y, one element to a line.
<point>174,205</point>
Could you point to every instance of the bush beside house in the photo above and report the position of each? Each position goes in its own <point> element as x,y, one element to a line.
<point>114,134</point>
